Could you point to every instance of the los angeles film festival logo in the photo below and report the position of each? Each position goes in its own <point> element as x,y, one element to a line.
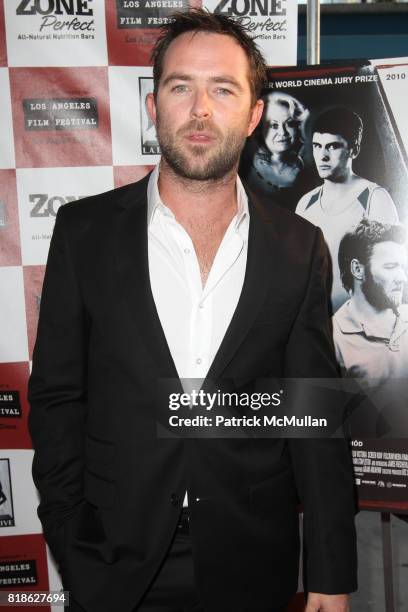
<point>263,18</point>
<point>41,114</point>
<point>10,406</point>
<point>146,14</point>
<point>6,499</point>
<point>149,144</point>
<point>18,572</point>
<point>58,19</point>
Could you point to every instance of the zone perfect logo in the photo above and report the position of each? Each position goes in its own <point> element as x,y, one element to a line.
<point>52,13</point>
<point>245,11</point>
<point>47,206</point>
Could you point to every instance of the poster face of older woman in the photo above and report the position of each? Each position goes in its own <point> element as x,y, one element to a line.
<point>280,129</point>
<point>272,163</point>
<point>282,123</point>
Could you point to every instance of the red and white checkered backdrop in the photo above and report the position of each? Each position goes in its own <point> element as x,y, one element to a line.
<point>73,78</point>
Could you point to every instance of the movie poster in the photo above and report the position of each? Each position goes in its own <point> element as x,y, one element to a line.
<point>332,147</point>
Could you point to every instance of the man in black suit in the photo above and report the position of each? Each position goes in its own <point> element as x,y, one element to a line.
<point>182,276</point>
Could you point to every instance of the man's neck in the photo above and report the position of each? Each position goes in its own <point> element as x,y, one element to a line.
<point>338,185</point>
<point>198,202</point>
<point>204,208</point>
<point>337,195</point>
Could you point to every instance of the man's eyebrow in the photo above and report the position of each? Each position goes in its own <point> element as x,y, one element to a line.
<point>177,76</point>
<point>328,144</point>
<point>222,78</point>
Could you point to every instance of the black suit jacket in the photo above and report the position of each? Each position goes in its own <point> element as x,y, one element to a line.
<point>111,491</point>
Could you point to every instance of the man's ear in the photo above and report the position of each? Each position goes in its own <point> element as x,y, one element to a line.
<point>355,150</point>
<point>151,107</point>
<point>357,269</point>
<point>255,117</point>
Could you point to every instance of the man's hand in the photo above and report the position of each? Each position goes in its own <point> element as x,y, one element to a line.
<point>317,602</point>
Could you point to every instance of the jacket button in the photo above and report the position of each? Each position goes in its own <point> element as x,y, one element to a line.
<point>174,499</point>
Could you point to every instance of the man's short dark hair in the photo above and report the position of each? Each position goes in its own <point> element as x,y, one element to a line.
<point>359,243</point>
<point>340,121</point>
<point>199,20</point>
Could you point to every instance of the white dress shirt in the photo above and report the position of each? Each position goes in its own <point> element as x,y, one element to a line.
<point>194,318</point>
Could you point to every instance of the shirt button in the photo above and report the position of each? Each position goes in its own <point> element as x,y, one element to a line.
<point>187,251</point>
<point>199,360</point>
<point>174,499</point>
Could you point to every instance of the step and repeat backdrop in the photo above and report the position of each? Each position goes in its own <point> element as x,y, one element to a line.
<point>74,75</point>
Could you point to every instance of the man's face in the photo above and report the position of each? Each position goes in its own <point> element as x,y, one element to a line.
<point>385,275</point>
<point>332,156</point>
<point>203,111</point>
<point>279,128</point>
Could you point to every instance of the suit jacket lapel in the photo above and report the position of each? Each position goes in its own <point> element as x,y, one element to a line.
<point>134,281</point>
<point>254,290</point>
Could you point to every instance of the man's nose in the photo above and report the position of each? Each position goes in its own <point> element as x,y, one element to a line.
<point>402,277</point>
<point>201,108</point>
<point>325,155</point>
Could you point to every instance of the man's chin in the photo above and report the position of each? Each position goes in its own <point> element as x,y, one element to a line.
<point>396,300</point>
<point>196,173</point>
<point>325,175</point>
<point>200,169</point>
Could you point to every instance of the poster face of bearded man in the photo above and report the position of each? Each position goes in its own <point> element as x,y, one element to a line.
<point>370,329</point>
<point>385,275</point>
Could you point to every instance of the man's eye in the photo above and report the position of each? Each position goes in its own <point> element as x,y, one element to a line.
<point>223,91</point>
<point>179,88</point>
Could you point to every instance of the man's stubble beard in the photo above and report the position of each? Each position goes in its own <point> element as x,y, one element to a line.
<point>376,296</point>
<point>222,160</point>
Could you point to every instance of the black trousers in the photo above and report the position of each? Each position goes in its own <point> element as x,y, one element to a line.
<point>173,588</point>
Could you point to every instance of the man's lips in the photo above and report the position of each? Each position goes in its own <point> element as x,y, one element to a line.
<point>199,137</point>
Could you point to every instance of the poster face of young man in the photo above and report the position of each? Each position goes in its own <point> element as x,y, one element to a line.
<point>331,154</point>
